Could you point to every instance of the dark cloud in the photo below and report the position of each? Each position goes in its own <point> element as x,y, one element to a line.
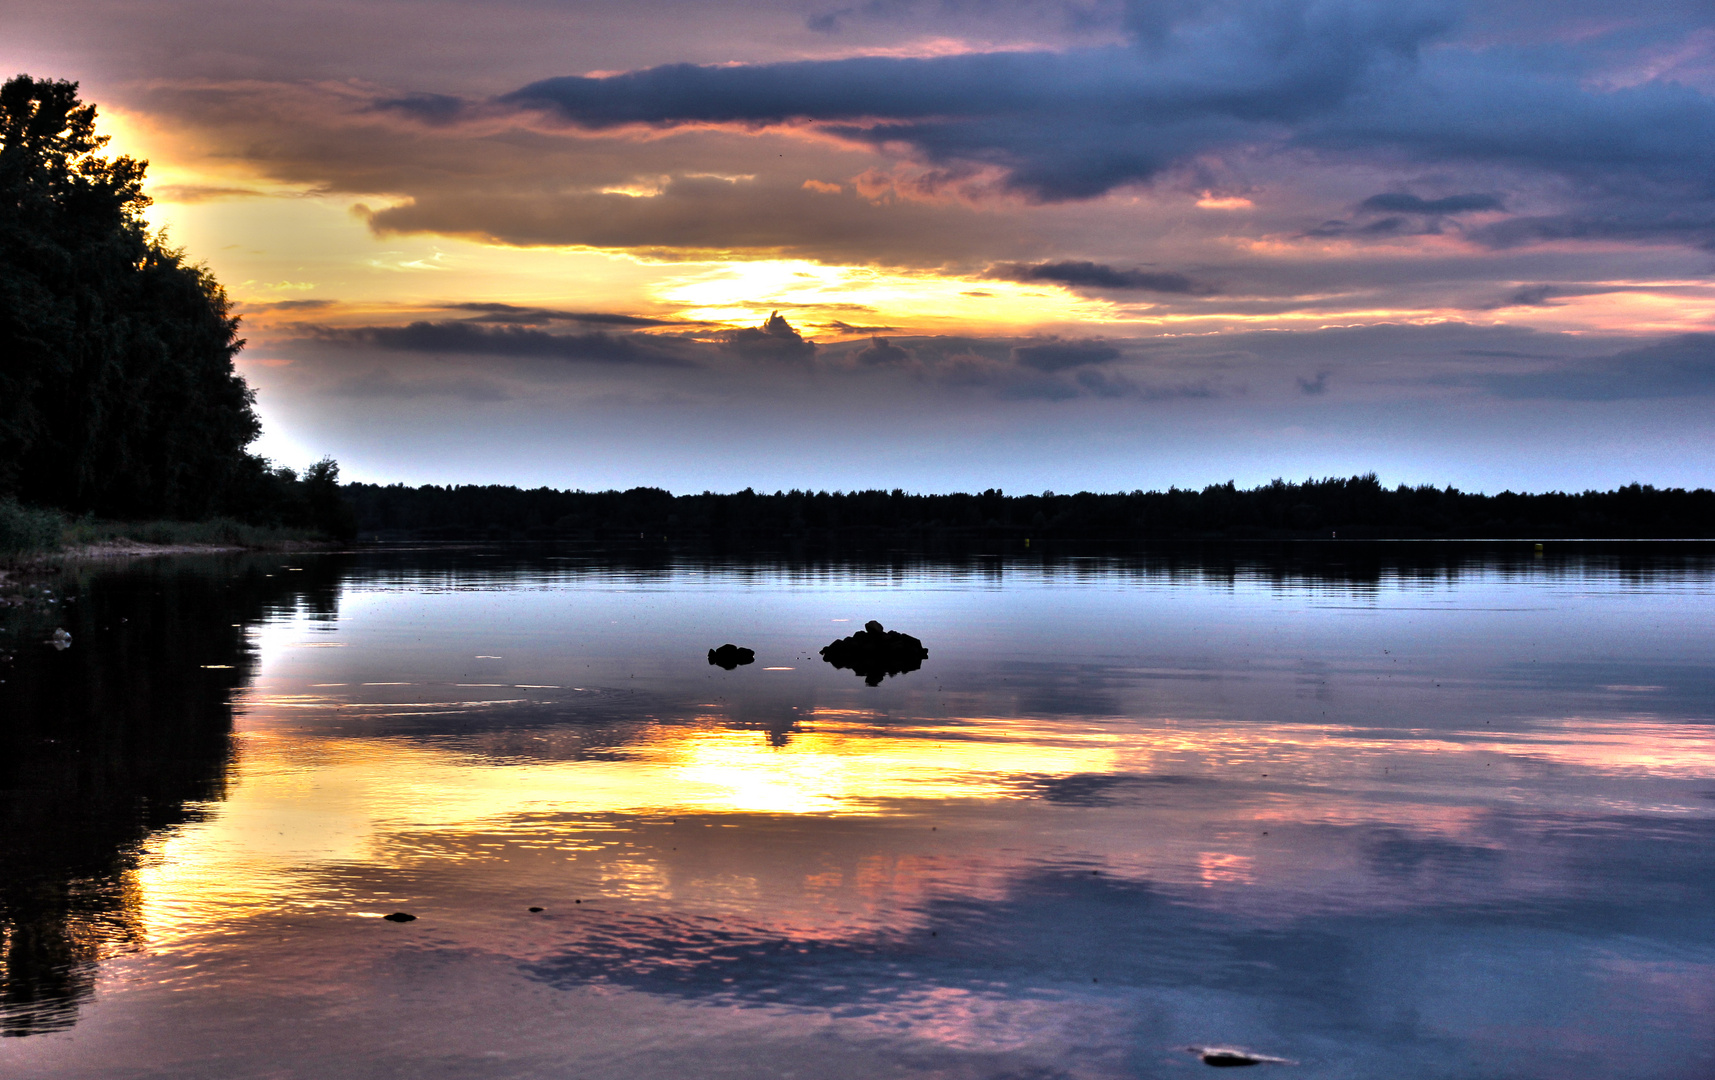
<point>697,214</point>
<point>1388,226</point>
<point>432,109</point>
<point>1509,354</point>
<point>1414,97</point>
<point>882,351</point>
<point>1544,294</point>
<point>1099,276</point>
<point>1061,125</point>
<point>1438,360</point>
<point>1006,381</point>
<point>464,338</point>
<point>851,328</point>
<point>775,339</point>
<point>1055,355</point>
<point>1337,77</point>
<point>1392,203</point>
<point>1683,366</point>
<point>199,193</point>
<point>1103,384</point>
<point>836,19</point>
<point>1531,296</point>
<point>1654,216</point>
<point>1318,385</point>
<point>532,316</point>
<point>1047,371</point>
<point>1504,107</point>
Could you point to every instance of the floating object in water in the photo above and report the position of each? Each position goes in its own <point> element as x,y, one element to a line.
<point>534,909</point>
<point>730,656</point>
<point>876,653</point>
<point>1230,1057</point>
<point>400,916</point>
<point>60,639</point>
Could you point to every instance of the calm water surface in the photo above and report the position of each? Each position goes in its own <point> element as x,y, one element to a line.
<point>1384,820</point>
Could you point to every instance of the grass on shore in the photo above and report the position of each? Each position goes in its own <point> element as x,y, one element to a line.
<point>25,531</point>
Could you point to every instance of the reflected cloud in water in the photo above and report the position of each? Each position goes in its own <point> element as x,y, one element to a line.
<point>1449,822</point>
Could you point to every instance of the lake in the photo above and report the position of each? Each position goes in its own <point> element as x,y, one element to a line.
<point>1402,811</point>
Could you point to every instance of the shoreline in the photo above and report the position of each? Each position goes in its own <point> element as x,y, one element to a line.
<point>102,550</point>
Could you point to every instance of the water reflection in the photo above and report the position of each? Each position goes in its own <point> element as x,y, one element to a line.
<point>1450,820</point>
<point>105,742</point>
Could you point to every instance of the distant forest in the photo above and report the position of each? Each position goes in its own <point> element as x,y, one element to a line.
<point>1355,508</point>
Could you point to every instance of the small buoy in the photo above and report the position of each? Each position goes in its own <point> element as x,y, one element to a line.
<point>400,916</point>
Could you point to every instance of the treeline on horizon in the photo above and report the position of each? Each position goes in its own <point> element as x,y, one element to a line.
<point>1357,507</point>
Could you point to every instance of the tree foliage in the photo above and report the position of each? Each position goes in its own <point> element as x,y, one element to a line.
<point>117,390</point>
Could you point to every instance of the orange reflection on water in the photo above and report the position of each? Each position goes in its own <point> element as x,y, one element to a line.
<point>1219,867</point>
<point>840,767</point>
<point>300,803</point>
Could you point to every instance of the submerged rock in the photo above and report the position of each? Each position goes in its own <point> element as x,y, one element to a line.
<point>400,916</point>
<point>876,653</point>
<point>730,656</point>
<point>1229,1057</point>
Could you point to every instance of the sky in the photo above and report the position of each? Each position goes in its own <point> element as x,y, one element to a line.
<point>938,244</point>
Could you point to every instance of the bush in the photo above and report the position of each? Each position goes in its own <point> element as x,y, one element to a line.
<point>23,530</point>
<point>219,532</point>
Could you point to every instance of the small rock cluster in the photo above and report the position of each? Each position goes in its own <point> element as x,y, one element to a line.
<point>873,652</point>
<point>730,656</point>
<point>876,653</point>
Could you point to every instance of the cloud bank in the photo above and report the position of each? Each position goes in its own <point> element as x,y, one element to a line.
<point>1332,77</point>
<point>471,339</point>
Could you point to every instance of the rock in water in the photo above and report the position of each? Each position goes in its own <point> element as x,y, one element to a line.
<point>1231,1057</point>
<point>400,916</point>
<point>876,653</point>
<point>730,656</point>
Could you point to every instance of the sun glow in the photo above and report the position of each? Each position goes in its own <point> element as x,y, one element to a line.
<point>1211,201</point>
<point>744,293</point>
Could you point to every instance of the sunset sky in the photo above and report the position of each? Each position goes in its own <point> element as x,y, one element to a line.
<point>1065,244</point>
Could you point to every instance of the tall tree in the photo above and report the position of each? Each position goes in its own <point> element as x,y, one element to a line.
<point>117,390</point>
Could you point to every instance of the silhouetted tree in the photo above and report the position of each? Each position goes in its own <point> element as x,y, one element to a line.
<point>117,390</point>
<point>329,510</point>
